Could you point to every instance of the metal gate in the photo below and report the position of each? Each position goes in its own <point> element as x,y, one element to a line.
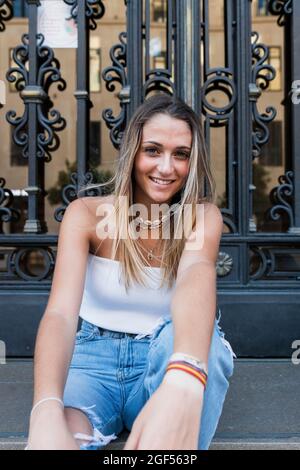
<point>225,73</point>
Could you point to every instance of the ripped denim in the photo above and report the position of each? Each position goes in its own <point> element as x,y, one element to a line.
<point>113,374</point>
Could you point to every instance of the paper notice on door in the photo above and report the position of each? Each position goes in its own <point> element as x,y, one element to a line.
<point>57,25</point>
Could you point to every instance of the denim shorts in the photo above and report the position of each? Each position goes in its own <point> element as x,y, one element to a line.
<point>112,375</point>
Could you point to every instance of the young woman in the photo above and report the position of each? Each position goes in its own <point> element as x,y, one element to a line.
<point>150,355</point>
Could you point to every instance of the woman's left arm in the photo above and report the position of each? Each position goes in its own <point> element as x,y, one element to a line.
<point>171,417</point>
<point>193,304</point>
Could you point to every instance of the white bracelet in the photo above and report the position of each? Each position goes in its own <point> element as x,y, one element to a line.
<point>46,399</point>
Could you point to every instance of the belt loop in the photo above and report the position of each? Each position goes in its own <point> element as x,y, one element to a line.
<point>100,330</point>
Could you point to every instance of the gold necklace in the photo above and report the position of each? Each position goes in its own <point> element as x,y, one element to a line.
<point>150,254</point>
<point>151,225</point>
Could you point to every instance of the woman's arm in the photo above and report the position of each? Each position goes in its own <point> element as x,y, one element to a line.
<point>193,304</point>
<point>193,307</point>
<point>57,329</point>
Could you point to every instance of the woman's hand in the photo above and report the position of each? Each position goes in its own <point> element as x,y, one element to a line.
<point>171,417</point>
<point>48,429</point>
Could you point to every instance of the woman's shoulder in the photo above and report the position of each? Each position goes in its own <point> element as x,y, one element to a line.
<point>208,223</point>
<point>86,212</point>
<point>89,205</point>
<point>82,212</point>
<point>211,210</point>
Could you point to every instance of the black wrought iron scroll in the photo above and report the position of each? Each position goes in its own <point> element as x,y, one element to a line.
<point>285,197</point>
<point>85,13</point>
<point>117,73</point>
<point>6,13</point>
<point>282,9</point>
<point>35,131</point>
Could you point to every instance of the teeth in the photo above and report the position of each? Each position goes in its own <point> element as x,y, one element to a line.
<point>161,181</point>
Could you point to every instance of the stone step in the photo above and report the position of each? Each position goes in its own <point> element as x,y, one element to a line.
<point>217,444</point>
<point>261,409</point>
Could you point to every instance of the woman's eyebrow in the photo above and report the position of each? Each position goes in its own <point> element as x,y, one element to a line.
<point>160,145</point>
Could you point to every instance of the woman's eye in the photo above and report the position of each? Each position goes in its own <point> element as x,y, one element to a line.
<point>151,150</point>
<point>183,155</point>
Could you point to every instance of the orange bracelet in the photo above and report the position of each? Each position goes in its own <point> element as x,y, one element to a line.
<point>190,370</point>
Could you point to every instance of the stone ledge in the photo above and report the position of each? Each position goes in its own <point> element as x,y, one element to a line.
<point>261,409</point>
<point>217,444</point>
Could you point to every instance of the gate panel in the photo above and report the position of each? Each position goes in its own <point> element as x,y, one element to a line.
<point>226,58</point>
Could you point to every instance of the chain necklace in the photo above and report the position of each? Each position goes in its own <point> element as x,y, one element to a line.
<point>150,255</point>
<point>151,225</point>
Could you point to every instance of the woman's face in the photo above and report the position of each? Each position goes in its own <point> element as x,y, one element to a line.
<point>162,162</point>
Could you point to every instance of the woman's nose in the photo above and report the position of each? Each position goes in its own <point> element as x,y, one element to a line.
<point>165,165</point>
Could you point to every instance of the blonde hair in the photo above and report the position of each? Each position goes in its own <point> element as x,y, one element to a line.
<point>198,180</point>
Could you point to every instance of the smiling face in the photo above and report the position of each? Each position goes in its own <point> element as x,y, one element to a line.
<point>162,162</point>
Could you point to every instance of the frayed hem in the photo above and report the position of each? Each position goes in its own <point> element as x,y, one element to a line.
<point>94,442</point>
<point>222,335</point>
<point>97,439</point>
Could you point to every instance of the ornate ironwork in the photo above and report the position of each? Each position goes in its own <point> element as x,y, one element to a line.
<point>281,8</point>
<point>47,138</point>
<point>18,262</point>
<point>94,10</point>
<point>70,192</point>
<point>281,198</point>
<point>186,68</point>
<point>117,73</point>
<point>228,220</point>
<point>274,263</point>
<point>6,13</point>
<point>224,264</point>
<point>219,80</point>
<point>158,80</point>
<point>84,13</point>
<point>262,74</point>
<point>7,212</point>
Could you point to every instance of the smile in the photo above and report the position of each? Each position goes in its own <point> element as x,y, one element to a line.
<point>161,182</point>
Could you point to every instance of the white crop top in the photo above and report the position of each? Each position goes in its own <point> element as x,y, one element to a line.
<point>105,302</point>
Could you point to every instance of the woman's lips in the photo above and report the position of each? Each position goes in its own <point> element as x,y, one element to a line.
<point>161,185</point>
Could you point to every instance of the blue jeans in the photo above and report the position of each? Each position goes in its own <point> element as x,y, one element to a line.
<point>113,374</point>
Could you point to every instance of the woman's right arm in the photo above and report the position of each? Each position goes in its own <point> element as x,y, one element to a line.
<point>56,334</point>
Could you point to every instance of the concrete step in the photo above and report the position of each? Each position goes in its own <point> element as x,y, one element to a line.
<point>217,444</point>
<point>261,410</point>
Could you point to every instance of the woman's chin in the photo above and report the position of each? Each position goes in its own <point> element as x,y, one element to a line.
<point>161,197</point>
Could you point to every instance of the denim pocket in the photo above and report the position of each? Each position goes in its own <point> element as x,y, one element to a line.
<point>87,332</point>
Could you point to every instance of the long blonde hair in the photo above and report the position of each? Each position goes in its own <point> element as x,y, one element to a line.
<point>198,180</point>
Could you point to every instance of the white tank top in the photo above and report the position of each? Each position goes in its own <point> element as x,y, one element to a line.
<point>105,302</point>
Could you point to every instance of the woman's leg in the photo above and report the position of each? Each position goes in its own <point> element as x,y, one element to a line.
<point>92,395</point>
<point>78,422</point>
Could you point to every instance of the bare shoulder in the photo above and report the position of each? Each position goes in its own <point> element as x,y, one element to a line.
<point>81,214</point>
<point>92,203</point>
<point>212,215</point>
<point>87,212</point>
<point>208,230</point>
<point>202,245</point>
<point>209,220</point>
<point>88,206</point>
